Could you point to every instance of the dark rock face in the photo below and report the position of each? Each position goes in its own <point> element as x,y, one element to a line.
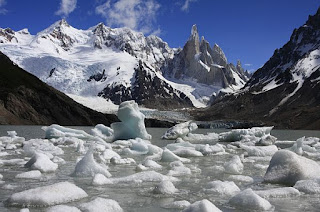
<point>7,35</point>
<point>24,99</point>
<point>294,100</point>
<point>199,61</point>
<point>147,89</point>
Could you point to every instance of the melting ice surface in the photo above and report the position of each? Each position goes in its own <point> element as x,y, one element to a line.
<point>203,170</point>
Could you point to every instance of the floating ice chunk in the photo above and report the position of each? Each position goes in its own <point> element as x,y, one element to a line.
<point>254,159</point>
<point>179,170</point>
<point>240,178</point>
<point>132,122</point>
<point>248,200</point>
<point>178,205</point>
<point>260,150</point>
<point>57,131</point>
<point>151,164</point>
<point>58,193</point>
<point>187,152</point>
<point>11,147</point>
<point>234,166</point>
<point>32,146</point>
<point>308,186</point>
<point>36,174</point>
<point>101,205</point>
<point>175,146</point>
<point>180,130</point>
<point>238,134</point>
<point>217,169</point>
<point>226,188</point>
<point>41,162</point>
<point>300,148</point>
<point>11,138</point>
<point>63,208</point>
<point>100,179</point>
<point>211,138</point>
<point>116,160</point>
<point>168,156</point>
<point>267,140</point>
<point>24,210</point>
<point>202,206</point>
<point>260,166</point>
<point>88,167</point>
<point>287,167</point>
<point>140,168</point>
<point>109,153</point>
<point>102,131</point>
<point>1,176</point>
<point>9,187</point>
<point>147,176</point>
<point>165,187</point>
<point>283,192</point>
<point>57,159</point>
<point>139,145</point>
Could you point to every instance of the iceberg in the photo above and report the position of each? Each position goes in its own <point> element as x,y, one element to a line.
<point>54,194</point>
<point>132,123</point>
<point>42,163</point>
<point>101,205</point>
<point>239,134</point>
<point>180,130</point>
<point>248,200</point>
<point>202,206</point>
<point>102,131</point>
<point>287,167</point>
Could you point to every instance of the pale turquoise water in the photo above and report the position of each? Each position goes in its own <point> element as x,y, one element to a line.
<point>139,197</point>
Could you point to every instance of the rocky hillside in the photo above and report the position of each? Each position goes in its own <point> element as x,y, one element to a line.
<point>24,99</point>
<point>285,92</point>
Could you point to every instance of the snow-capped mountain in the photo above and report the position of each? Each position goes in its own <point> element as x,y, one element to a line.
<point>286,90</point>
<point>121,64</point>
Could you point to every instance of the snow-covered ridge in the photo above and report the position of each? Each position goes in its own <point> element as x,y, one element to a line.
<point>84,63</point>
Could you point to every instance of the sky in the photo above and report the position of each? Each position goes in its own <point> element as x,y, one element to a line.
<point>249,30</point>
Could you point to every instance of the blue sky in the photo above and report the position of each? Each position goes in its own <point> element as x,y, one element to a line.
<point>249,30</point>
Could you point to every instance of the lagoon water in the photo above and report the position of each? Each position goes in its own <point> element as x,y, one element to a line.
<point>139,196</point>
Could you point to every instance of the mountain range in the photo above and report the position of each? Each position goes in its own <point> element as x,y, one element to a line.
<point>121,64</point>
<point>285,92</point>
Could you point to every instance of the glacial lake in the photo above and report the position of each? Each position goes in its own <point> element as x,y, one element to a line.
<point>138,197</point>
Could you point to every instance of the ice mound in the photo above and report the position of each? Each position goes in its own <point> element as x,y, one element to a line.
<point>283,192</point>
<point>57,131</point>
<point>118,161</point>
<point>44,146</point>
<point>202,206</point>
<point>147,176</point>
<point>88,167</point>
<point>63,208</point>
<point>12,138</point>
<point>101,205</point>
<point>239,134</point>
<point>180,130</point>
<point>234,166</point>
<point>132,122</point>
<point>178,169</point>
<point>260,151</point>
<point>287,167</point>
<point>308,186</point>
<point>58,193</point>
<point>248,200</point>
<point>36,174</point>
<point>100,179</point>
<point>41,162</point>
<point>226,188</point>
<point>168,156</point>
<point>211,138</point>
<point>165,187</point>
<point>102,131</point>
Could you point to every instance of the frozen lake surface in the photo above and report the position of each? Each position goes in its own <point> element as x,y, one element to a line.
<point>192,185</point>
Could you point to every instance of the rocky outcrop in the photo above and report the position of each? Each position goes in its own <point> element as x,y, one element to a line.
<point>209,66</point>
<point>24,99</point>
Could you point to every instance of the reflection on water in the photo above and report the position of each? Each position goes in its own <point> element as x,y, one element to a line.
<point>139,196</point>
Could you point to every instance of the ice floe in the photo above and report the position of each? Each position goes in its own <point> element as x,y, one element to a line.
<point>36,174</point>
<point>180,130</point>
<point>58,193</point>
<point>41,162</point>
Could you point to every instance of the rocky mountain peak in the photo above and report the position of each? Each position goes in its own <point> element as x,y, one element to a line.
<point>194,33</point>
<point>218,56</point>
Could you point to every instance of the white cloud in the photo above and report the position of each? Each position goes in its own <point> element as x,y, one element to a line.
<point>139,15</point>
<point>248,64</point>
<point>185,7</point>
<point>2,10</point>
<point>66,7</point>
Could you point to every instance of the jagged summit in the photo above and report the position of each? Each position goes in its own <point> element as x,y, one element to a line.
<point>119,63</point>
